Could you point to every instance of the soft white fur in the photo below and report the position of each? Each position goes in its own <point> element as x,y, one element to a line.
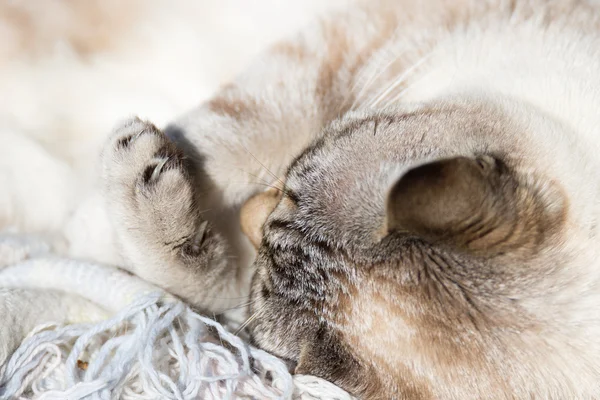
<point>58,107</point>
<point>56,111</point>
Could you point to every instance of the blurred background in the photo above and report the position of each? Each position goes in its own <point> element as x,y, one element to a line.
<point>71,69</point>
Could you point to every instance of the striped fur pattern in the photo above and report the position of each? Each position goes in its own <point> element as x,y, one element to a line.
<point>430,230</point>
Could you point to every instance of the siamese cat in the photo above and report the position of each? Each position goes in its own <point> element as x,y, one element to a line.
<point>420,182</point>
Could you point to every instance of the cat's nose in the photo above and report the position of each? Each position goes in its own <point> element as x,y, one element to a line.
<point>255,212</point>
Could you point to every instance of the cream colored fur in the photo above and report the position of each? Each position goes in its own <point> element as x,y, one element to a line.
<point>539,75</point>
<point>536,74</point>
<point>60,99</point>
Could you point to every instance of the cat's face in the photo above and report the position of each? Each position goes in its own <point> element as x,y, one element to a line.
<point>408,251</point>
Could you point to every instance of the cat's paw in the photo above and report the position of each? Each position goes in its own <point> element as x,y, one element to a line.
<point>150,188</point>
<point>138,151</point>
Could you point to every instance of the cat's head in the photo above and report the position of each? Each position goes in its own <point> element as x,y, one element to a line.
<point>424,252</point>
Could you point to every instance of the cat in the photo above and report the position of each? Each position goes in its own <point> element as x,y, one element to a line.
<point>418,180</point>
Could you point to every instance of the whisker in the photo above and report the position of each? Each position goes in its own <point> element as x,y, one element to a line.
<point>350,92</point>
<point>226,298</point>
<point>249,320</point>
<point>271,186</point>
<point>403,92</point>
<point>242,305</point>
<point>399,81</point>
<point>264,182</point>
<point>376,75</point>
<point>263,165</point>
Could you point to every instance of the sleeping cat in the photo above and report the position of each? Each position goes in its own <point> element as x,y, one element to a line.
<point>419,179</point>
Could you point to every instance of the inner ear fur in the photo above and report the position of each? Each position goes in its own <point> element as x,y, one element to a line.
<point>468,202</point>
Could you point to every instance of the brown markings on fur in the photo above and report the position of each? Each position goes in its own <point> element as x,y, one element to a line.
<point>365,317</point>
<point>455,318</point>
<point>399,331</point>
<point>292,50</point>
<point>342,59</point>
<point>450,332</point>
<point>402,337</point>
<point>328,93</point>
<point>86,26</point>
<point>388,22</point>
<point>20,27</point>
<point>371,377</point>
<point>330,358</point>
<point>342,65</point>
<point>341,366</point>
<point>232,106</point>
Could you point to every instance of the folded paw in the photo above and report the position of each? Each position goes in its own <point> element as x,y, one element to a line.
<point>150,190</point>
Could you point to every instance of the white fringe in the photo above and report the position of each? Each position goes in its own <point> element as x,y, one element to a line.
<point>156,347</point>
<point>150,350</point>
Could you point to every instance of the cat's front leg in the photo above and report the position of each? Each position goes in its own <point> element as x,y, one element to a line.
<point>150,189</point>
<point>241,141</point>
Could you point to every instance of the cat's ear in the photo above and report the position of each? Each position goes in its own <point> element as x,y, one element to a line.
<point>460,201</point>
<point>254,213</point>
